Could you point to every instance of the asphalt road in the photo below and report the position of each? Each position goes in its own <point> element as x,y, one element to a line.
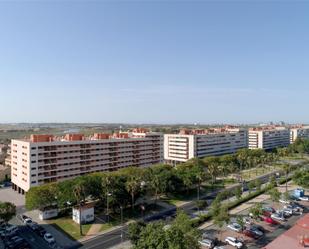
<point>113,238</point>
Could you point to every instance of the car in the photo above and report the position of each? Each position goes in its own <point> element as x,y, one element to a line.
<point>9,231</point>
<point>219,247</point>
<point>24,218</point>
<point>258,227</point>
<point>49,238</point>
<point>250,234</point>
<point>247,220</point>
<point>288,211</point>
<point>278,216</point>
<point>295,208</point>
<point>234,242</point>
<point>303,198</point>
<point>258,232</point>
<point>284,201</point>
<point>266,213</point>
<point>235,227</point>
<point>34,226</point>
<point>207,243</point>
<point>283,214</point>
<point>17,242</point>
<point>269,209</point>
<point>40,231</point>
<point>270,220</point>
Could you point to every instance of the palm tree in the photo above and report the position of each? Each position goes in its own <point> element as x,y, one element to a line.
<point>286,169</point>
<point>212,165</point>
<point>79,193</point>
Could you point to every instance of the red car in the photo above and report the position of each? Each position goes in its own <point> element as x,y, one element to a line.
<point>266,213</point>
<point>250,234</point>
<point>270,220</point>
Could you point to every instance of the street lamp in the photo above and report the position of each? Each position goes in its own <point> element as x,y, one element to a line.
<point>107,211</point>
<point>121,215</point>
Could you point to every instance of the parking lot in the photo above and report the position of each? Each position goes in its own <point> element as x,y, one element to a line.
<point>271,231</point>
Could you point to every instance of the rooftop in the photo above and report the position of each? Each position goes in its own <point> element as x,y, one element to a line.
<point>267,128</point>
<point>226,129</point>
<point>295,237</point>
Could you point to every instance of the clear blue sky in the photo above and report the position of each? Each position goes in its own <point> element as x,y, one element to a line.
<point>154,62</point>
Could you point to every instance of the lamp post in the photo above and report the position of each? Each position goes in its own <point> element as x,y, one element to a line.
<point>107,210</point>
<point>143,184</point>
<point>121,215</point>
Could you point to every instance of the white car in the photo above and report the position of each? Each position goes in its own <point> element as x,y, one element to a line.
<point>284,201</point>
<point>49,238</point>
<point>235,227</point>
<point>304,198</point>
<point>234,242</point>
<point>219,247</point>
<point>207,243</point>
<point>278,216</point>
<point>288,211</point>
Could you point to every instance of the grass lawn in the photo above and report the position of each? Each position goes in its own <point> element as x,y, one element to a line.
<point>68,226</point>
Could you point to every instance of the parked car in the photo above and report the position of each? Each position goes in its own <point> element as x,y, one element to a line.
<point>266,213</point>
<point>207,243</point>
<point>9,231</point>
<point>278,216</point>
<point>304,198</point>
<point>34,226</point>
<point>235,227</point>
<point>283,214</point>
<point>269,209</point>
<point>288,211</point>
<point>234,242</point>
<point>250,234</point>
<point>258,227</point>
<point>270,220</point>
<point>247,220</point>
<point>219,247</point>
<point>284,201</point>
<point>40,231</point>
<point>49,238</point>
<point>17,242</point>
<point>295,208</point>
<point>24,218</point>
<point>258,232</point>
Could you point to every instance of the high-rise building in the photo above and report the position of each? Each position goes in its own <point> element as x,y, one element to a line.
<point>268,137</point>
<point>298,131</point>
<point>201,143</point>
<point>46,158</point>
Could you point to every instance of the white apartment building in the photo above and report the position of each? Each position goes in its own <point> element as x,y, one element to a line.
<point>45,158</point>
<point>268,137</point>
<point>299,131</point>
<point>201,143</point>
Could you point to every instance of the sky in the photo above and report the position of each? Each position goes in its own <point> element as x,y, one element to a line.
<point>154,61</point>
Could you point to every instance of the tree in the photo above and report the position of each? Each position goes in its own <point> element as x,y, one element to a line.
<point>201,204</point>
<point>212,164</point>
<point>274,194</point>
<point>158,178</point>
<point>241,222</point>
<point>256,211</point>
<point>286,169</point>
<point>186,175</point>
<point>228,164</point>
<point>258,184</point>
<point>79,193</point>
<point>7,211</point>
<point>134,231</point>
<point>40,197</point>
<point>272,181</point>
<point>251,186</point>
<point>238,192</point>
<point>222,217</point>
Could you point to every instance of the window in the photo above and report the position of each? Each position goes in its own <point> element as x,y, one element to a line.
<point>33,182</point>
<point>33,175</point>
<point>33,161</point>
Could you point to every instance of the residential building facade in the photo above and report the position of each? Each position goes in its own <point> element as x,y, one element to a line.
<point>201,143</point>
<point>299,131</point>
<point>46,158</point>
<point>268,137</point>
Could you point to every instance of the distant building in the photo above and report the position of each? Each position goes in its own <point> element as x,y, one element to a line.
<point>296,237</point>
<point>201,143</point>
<point>299,131</point>
<point>46,158</point>
<point>268,137</point>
